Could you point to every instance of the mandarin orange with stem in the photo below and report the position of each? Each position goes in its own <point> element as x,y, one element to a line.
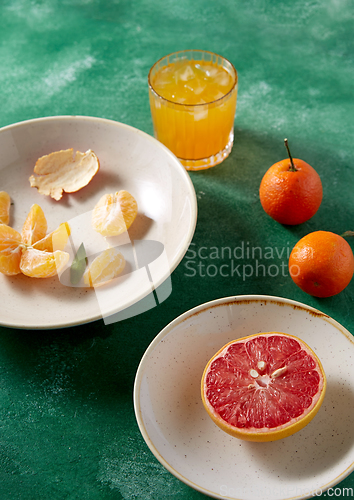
<point>291,191</point>
<point>322,264</point>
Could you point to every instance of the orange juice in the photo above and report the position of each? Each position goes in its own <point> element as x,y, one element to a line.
<point>193,102</point>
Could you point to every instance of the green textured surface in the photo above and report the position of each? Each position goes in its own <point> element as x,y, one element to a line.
<point>67,423</point>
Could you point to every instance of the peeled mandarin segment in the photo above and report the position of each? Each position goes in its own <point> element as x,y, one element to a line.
<point>61,171</point>
<point>107,266</point>
<point>114,213</point>
<point>40,264</point>
<point>10,250</point>
<point>10,264</point>
<point>56,240</point>
<point>35,226</point>
<point>263,387</point>
<point>10,239</point>
<point>5,202</point>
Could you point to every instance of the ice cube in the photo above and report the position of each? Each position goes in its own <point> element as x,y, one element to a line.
<point>198,67</point>
<point>206,71</point>
<point>218,95</point>
<point>197,86</point>
<point>185,73</point>
<point>200,114</point>
<point>180,99</point>
<point>222,78</point>
<point>211,71</point>
<point>163,77</point>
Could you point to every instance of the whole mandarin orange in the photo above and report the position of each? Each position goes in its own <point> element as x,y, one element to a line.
<point>291,191</point>
<point>321,264</point>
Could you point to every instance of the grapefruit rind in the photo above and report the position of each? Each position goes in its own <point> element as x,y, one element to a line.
<point>266,434</point>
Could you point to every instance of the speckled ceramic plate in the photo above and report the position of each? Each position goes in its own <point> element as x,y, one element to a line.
<point>129,159</point>
<point>184,439</point>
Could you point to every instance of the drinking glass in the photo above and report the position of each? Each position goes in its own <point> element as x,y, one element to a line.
<point>193,96</point>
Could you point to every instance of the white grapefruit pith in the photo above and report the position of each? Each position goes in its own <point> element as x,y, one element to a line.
<point>263,387</point>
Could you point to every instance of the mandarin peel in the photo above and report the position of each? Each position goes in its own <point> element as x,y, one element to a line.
<point>62,171</point>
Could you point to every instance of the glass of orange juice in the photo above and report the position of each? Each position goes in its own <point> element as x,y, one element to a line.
<point>193,97</point>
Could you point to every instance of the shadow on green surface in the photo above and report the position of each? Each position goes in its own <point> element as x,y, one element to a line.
<point>230,215</point>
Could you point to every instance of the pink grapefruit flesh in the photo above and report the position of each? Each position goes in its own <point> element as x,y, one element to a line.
<point>263,387</point>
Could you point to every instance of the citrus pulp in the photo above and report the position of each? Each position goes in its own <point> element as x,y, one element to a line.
<point>33,252</point>
<point>35,226</point>
<point>263,387</point>
<point>10,250</point>
<point>41,264</point>
<point>105,267</point>
<point>5,202</point>
<point>114,213</point>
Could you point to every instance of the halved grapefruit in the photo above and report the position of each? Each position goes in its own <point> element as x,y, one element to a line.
<point>263,387</point>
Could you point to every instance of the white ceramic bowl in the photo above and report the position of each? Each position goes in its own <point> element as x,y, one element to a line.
<point>177,429</point>
<point>131,160</point>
